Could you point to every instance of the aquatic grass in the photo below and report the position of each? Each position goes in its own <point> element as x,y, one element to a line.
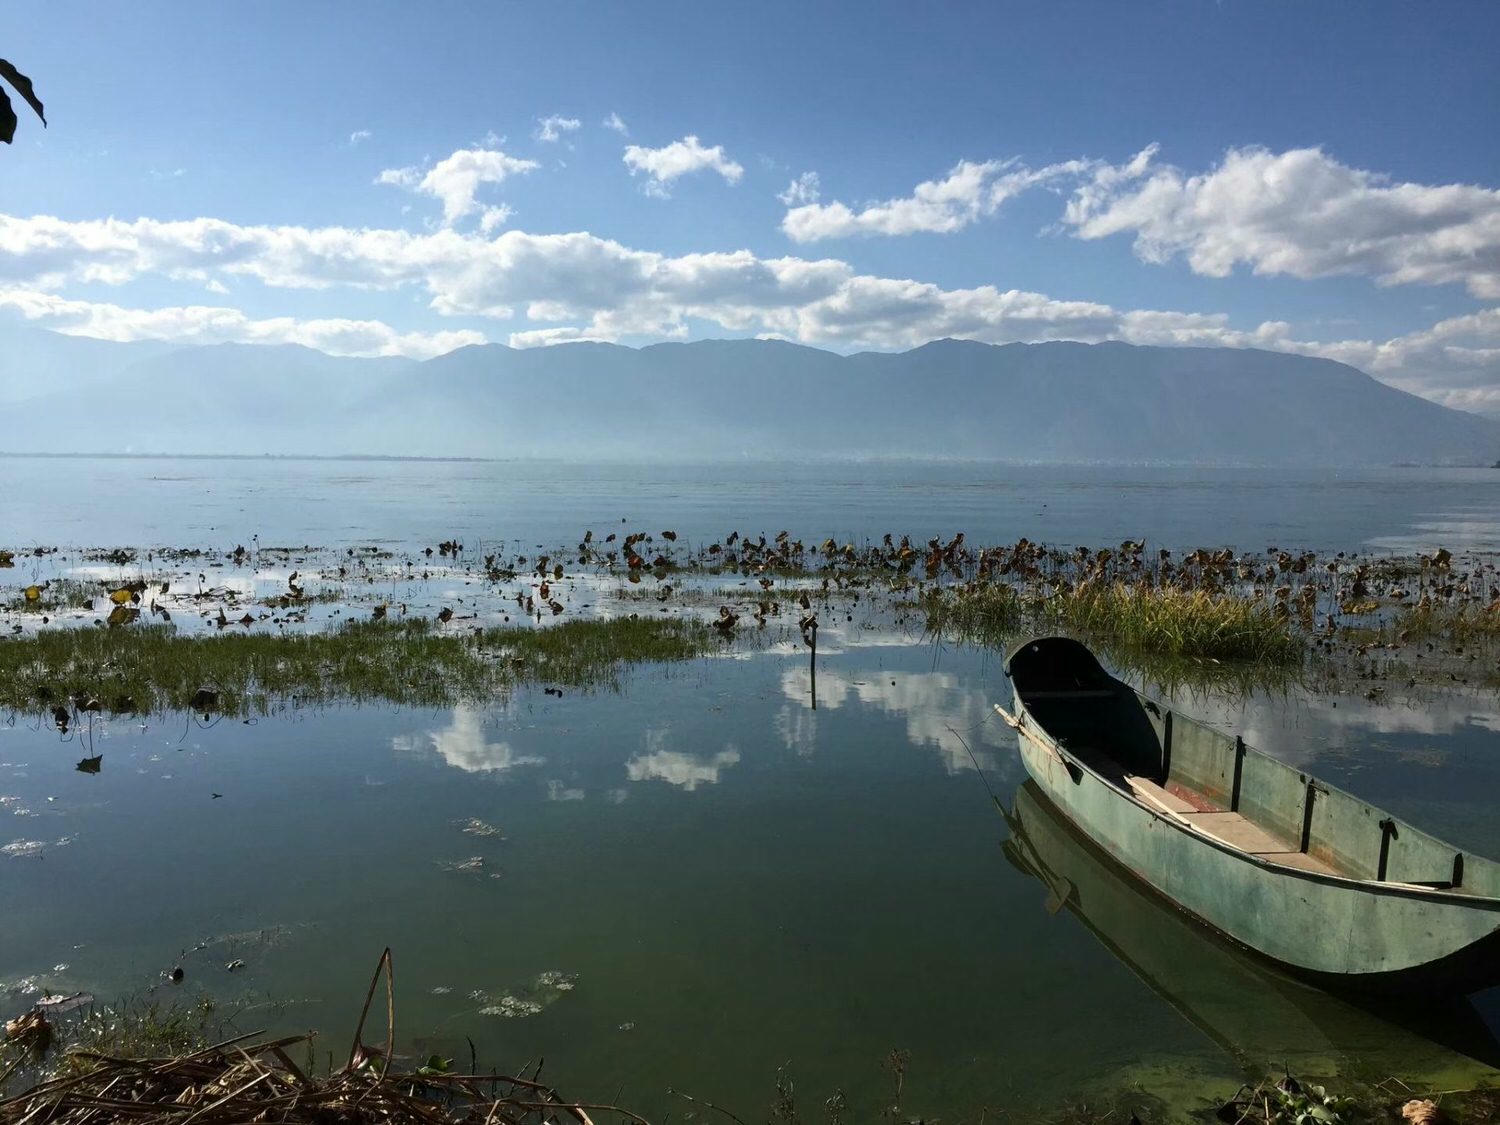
<point>136,1028</point>
<point>1132,619</point>
<point>1171,621</point>
<point>132,1027</point>
<point>979,612</point>
<point>413,662</point>
<point>1462,622</point>
<point>327,596</point>
<point>55,595</point>
<point>156,1062</point>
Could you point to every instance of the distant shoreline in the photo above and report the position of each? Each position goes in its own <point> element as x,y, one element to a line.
<point>829,459</point>
<point>245,457</point>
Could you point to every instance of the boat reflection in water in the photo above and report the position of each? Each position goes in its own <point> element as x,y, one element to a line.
<point>1262,1018</point>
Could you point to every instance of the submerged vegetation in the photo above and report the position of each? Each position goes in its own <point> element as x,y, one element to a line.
<point>130,630</point>
<point>1463,623</point>
<point>1270,612</point>
<point>413,662</point>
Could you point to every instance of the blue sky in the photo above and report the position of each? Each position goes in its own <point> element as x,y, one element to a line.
<point>1320,178</point>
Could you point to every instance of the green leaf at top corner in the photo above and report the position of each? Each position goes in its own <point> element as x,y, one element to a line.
<point>23,87</point>
<point>7,119</point>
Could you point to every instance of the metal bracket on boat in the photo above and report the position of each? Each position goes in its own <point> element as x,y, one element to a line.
<point>1388,832</point>
<point>1312,788</point>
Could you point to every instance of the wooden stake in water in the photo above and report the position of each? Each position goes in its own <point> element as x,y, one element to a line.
<point>809,625</point>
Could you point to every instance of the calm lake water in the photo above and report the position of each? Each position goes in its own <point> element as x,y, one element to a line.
<point>140,502</point>
<point>700,877</point>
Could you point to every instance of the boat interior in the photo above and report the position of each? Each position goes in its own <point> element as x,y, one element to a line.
<point>1216,785</point>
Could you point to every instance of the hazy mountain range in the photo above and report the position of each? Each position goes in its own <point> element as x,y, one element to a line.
<point>725,398</point>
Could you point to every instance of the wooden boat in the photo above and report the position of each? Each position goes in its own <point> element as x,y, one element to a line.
<point>1258,1015</point>
<point>1294,869</point>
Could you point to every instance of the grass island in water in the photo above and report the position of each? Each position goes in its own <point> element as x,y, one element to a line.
<point>412,662</point>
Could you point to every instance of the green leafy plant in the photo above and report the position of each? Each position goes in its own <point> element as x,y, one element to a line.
<point>1287,1101</point>
<point>22,85</point>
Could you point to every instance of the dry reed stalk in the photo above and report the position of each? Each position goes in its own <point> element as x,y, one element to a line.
<point>246,1079</point>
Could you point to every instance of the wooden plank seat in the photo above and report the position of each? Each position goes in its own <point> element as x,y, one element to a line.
<point>1231,828</point>
<point>1237,831</point>
<point>1300,860</point>
<point>1228,827</point>
<point>1154,794</point>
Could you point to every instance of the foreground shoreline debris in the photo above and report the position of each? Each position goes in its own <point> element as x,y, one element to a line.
<point>250,1077</point>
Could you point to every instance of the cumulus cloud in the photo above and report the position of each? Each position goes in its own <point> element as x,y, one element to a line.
<point>463,745</point>
<point>1300,213</point>
<point>1455,362</point>
<point>196,324</point>
<point>552,128</point>
<point>969,192</point>
<point>494,218</point>
<point>933,704</point>
<point>578,286</point>
<point>455,180</point>
<point>680,158</point>
<point>804,189</point>
<point>676,767</point>
<point>615,122</point>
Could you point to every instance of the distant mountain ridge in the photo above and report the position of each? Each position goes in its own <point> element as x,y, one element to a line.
<point>711,399</point>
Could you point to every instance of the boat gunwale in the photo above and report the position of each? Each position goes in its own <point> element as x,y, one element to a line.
<point>1399,890</point>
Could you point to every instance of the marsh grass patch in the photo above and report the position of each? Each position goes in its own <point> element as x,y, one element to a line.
<point>411,663</point>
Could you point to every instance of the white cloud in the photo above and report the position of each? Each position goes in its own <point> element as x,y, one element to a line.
<point>494,218</point>
<point>1299,213</point>
<point>804,189</point>
<point>552,128</point>
<point>1455,362</point>
<point>580,286</point>
<point>359,136</point>
<point>462,745</point>
<point>455,180</point>
<point>680,158</point>
<point>675,767</point>
<point>196,324</point>
<point>543,337</point>
<point>615,122</point>
<point>934,705</point>
<point>969,192</point>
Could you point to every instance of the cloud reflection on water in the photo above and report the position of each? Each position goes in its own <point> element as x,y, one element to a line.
<point>930,702</point>
<point>1299,729</point>
<point>676,767</point>
<point>462,744</point>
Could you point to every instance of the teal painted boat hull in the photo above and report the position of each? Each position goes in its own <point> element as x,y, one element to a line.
<point>1258,1015</point>
<point>1389,907</point>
